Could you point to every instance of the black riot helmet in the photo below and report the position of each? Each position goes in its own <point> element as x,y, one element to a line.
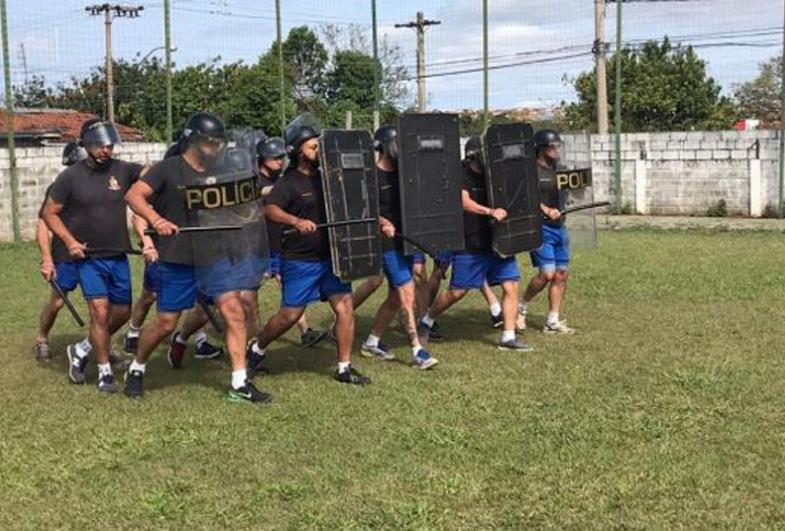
<point>98,133</point>
<point>271,148</point>
<point>296,136</point>
<point>385,141</point>
<point>203,129</point>
<point>473,149</point>
<point>545,138</point>
<point>73,153</point>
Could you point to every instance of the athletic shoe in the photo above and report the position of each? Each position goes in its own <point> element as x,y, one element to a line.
<point>130,344</point>
<point>249,393</point>
<point>380,351</point>
<point>497,320</point>
<point>106,384</point>
<point>76,364</point>
<point>436,333</point>
<point>520,323</point>
<point>207,351</point>
<point>42,352</point>
<point>134,384</point>
<point>515,344</point>
<point>312,337</point>
<point>559,327</point>
<point>423,360</point>
<point>254,363</point>
<point>351,376</point>
<point>176,352</point>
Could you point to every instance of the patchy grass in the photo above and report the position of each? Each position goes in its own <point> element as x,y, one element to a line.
<point>666,410</point>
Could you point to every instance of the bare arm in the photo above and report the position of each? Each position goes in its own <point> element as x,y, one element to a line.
<point>549,212</point>
<point>51,215</point>
<point>473,207</point>
<point>137,199</point>
<point>45,245</point>
<point>279,215</point>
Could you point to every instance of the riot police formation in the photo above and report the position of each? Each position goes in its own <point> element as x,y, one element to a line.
<point>315,210</point>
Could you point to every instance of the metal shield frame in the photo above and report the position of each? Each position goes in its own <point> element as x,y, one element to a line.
<point>430,177</point>
<point>351,193</point>
<point>511,178</point>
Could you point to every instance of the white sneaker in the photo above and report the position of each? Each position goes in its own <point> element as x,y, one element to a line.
<point>559,327</point>
<point>378,351</point>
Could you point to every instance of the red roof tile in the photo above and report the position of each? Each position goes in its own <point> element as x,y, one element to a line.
<point>64,123</point>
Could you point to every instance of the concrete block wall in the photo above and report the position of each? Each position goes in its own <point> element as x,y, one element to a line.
<point>37,168</point>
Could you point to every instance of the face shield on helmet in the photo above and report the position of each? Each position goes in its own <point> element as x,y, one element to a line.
<point>99,134</point>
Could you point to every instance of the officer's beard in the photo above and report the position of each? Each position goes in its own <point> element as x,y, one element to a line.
<point>100,163</point>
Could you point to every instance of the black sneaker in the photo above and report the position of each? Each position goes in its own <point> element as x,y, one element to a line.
<point>351,376</point>
<point>515,344</point>
<point>42,352</point>
<point>207,351</point>
<point>134,384</point>
<point>76,365</point>
<point>312,337</point>
<point>130,344</point>
<point>435,333</point>
<point>106,384</point>
<point>254,363</point>
<point>249,393</point>
<point>497,320</point>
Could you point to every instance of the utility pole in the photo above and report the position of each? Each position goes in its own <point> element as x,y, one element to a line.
<point>281,79</point>
<point>602,75</point>
<point>377,66</point>
<point>782,125</point>
<point>420,24</point>
<point>9,118</point>
<point>168,61</point>
<point>485,105</point>
<point>617,112</point>
<point>111,11</point>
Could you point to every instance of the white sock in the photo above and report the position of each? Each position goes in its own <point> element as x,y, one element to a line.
<point>132,332</point>
<point>200,338</point>
<point>372,341</point>
<point>508,335</point>
<point>553,318</point>
<point>85,346</point>
<point>343,366</point>
<point>139,367</point>
<point>257,350</point>
<point>496,309</point>
<point>427,320</point>
<point>179,338</point>
<point>104,368</point>
<point>239,377</point>
<point>416,350</point>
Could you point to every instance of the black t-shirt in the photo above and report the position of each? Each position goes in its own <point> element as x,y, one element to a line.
<point>273,228</point>
<point>167,179</point>
<point>302,196</point>
<point>550,195</point>
<point>58,248</point>
<point>477,228</point>
<point>93,199</point>
<point>390,205</point>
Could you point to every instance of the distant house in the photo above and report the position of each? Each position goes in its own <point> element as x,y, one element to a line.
<point>41,127</point>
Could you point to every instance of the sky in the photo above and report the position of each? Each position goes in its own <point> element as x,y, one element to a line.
<point>60,38</point>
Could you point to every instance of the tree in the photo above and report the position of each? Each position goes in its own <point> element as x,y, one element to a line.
<point>760,98</point>
<point>665,88</point>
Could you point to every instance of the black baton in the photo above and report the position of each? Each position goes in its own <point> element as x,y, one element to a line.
<point>584,207</point>
<point>419,245</point>
<point>152,232</point>
<point>287,232</point>
<point>210,315</point>
<point>91,250</point>
<point>68,303</point>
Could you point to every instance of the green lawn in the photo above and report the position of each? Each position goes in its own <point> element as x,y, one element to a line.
<point>666,410</point>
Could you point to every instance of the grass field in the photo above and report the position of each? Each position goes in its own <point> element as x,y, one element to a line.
<point>665,411</point>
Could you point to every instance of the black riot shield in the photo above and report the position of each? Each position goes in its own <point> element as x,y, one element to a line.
<point>350,193</point>
<point>430,173</point>
<point>228,195</point>
<point>576,185</point>
<point>511,178</point>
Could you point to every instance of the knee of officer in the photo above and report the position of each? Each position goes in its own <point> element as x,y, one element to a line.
<point>167,322</point>
<point>547,276</point>
<point>561,277</point>
<point>99,311</point>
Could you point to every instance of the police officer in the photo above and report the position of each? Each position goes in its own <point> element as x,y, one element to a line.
<point>204,140</point>
<point>553,257</point>
<point>479,264</point>
<point>85,209</point>
<point>56,265</point>
<point>271,156</point>
<point>297,200</point>
<point>397,267</point>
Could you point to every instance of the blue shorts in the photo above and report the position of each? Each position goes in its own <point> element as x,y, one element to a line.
<point>305,281</point>
<point>67,276</point>
<point>275,263</point>
<point>224,276</point>
<point>418,258</point>
<point>397,268</point>
<point>554,253</point>
<point>473,270</point>
<point>105,278</point>
<point>176,287</point>
<point>152,272</point>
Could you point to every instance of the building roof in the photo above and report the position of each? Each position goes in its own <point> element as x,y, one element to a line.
<point>57,125</point>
